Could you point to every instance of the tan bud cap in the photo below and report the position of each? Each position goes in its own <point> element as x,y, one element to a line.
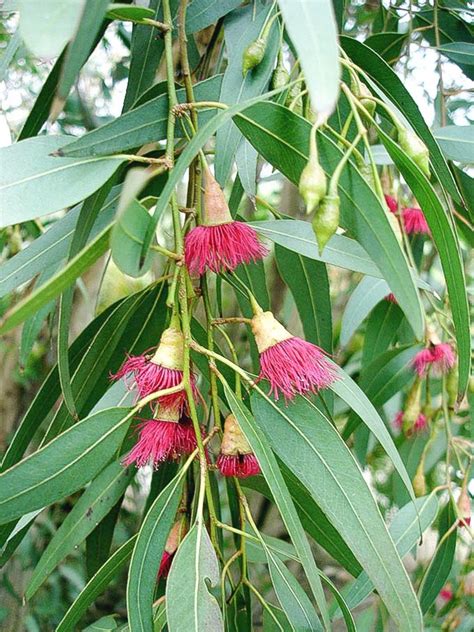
<point>170,352</point>
<point>234,441</point>
<point>168,414</point>
<point>268,331</point>
<point>216,209</point>
<point>178,531</point>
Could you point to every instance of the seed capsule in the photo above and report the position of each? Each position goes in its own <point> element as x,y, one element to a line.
<point>415,148</point>
<point>313,184</point>
<point>326,220</point>
<point>253,54</point>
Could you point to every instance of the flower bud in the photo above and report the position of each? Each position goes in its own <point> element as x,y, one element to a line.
<point>361,91</point>
<point>452,380</point>
<point>326,220</point>
<point>313,184</point>
<point>412,407</point>
<point>294,99</point>
<point>233,440</point>
<point>415,148</point>
<point>419,482</point>
<point>253,54</point>
<point>116,285</point>
<point>464,507</point>
<point>280,77</point>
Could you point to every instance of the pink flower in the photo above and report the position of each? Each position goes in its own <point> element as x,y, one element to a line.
<point>165,565</point>
<point>391,203</point>
<point>220,244</point>
<point>446,593</point>
<point>419,425</point>
<point>236,457</point>
<point>163,370</point>
<point>391,298</point>
<point>291,365</point>
<point>443,357</point>
<point>162,439</point>
<point>438,356</point>
<point>414,221</point>
<point>240,465</point>
<point>222,248</point>
<point>176,534</point>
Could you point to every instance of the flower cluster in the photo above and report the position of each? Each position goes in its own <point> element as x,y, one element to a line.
<point>438,358</point>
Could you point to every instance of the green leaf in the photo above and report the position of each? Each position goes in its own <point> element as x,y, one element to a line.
<point>9,53</point>
<point>294,601</point>
<point>392,86</point>
<point>202,13</point>
<point>56,284</point>
<point>102,624</point>
<point>387,45</point>
<point>146,51</point>
<point>47,26</point>
<point>189,604</point>
<point>99,541</point>
<point>385,376</point>
<point>382,327</point>
<point>91,508</point>
<point>309,285</point>
<point>147,555</point>
<point>363,299</point>
<point>313,520</point>
<point>355,397</point>
<point>256,553</point>
<point>87,217</point>
<point>121,11</point>
<point>240,29</point>
<point>311,447</point>
<point>96,585</point>
<point>405,531</point>
<point>282,498</point>
<point>313,32</point>
<point>64,465</point>
<point>298,236</point>
<point>282,138</point>
<point>457,142</point>
<point>446,242</point>
<point>128,233</point>
<point>440,566</point>
<point>143,124</point>
<point>79,49</point>
<point>34,183</point>
<point>462,52</point>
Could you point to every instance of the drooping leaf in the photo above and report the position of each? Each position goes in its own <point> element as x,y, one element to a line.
<point>57,283</point>
<point>310,446</point>
<point>462,52</point>
<point>64,465</point>
<point>457,142</point>
<point>96,585</point>
<point>93,505</point>
<point>78,50</point>
<point>440,566</point>
<point>47,26</point>
<point>363,299</point>
<point>34,183</point>
<point>292,598</point>
<point>201,13</point>
<point>190,605</point>
<point>241,27</point>
<point>405,531</point>
<point>143,124</point>
<point>147,555</point>
<point>312,29</point>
